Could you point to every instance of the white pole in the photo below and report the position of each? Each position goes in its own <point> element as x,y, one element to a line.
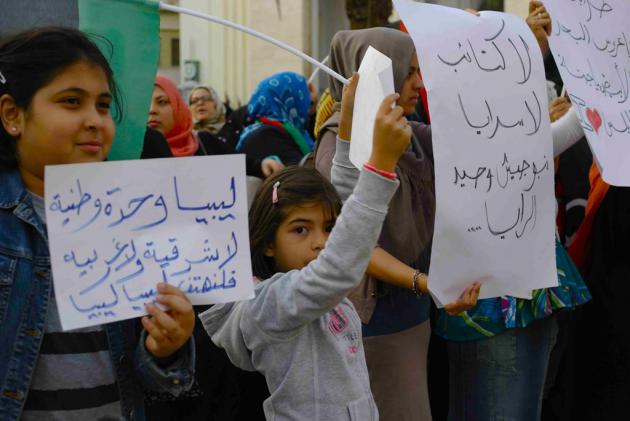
<point>314,74</point>
<point>257,34</point>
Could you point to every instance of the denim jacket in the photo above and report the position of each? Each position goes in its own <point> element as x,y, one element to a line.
<point>25,290</point>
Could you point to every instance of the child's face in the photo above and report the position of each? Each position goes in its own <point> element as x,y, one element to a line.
<point>68,121</point>
<point>300,237</point>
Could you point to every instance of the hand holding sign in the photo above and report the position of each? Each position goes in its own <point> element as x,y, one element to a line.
<point>168,330</point>
<point>116,228</point>
<point>347,108</point>
<point>392,135</point>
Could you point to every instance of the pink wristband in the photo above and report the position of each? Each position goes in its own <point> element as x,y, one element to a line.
<point>386,174</point>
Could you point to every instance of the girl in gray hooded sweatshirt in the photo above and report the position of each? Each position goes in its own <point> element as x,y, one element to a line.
<point>300,331</point>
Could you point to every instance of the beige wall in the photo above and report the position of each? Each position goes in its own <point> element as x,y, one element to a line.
<point>233,62</point>
<point>169,30</point>
<point>517,7</point>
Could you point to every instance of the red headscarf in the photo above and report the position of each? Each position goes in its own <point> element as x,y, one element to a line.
<point>180,138</point>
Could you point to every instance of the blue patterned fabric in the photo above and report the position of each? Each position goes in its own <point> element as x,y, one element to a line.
<point>495,315</point>
<point>283,97</point>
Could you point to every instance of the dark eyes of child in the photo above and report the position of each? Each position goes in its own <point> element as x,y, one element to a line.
<point>300,230</point>
<point>70,100</point>
<point>76,101</point>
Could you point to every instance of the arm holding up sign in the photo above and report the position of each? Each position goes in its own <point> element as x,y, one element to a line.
<point>383,265</point>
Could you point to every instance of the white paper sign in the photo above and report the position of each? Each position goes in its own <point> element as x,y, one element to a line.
<point>492,148</point>
<point>116,229</point>
<point>590,42</point>
<point>376,81</point>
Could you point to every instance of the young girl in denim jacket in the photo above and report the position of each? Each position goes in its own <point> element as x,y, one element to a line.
<point>56,91</point>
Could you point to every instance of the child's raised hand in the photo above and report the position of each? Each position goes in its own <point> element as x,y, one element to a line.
<point>347,108</point>
<point>392,135</point>
<point>466,301</point>
<point>167,331</point>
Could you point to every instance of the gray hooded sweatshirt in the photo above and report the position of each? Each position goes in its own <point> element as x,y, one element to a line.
<point>300,330</point>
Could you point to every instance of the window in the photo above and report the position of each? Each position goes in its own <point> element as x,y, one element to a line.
<point>175,52</point>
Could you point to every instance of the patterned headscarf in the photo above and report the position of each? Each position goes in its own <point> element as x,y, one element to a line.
<point>283,98</point>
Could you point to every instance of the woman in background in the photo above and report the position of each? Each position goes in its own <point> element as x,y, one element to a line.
<point>170,115</point>
<point>280,108</point>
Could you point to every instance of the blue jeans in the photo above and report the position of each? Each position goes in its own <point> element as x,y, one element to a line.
<point>502,377</point>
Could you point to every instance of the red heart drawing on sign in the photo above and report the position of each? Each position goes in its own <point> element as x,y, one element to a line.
<point>594,118</point>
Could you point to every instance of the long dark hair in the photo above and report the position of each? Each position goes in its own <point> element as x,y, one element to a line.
<point>298,186</point>
<point>31,59</point>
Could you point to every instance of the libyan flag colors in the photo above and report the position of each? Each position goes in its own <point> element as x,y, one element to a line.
<point>132,28</point>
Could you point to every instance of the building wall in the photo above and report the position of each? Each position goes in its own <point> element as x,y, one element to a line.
<point>328,17</point>
<point>517,7</point>
<point>233,62</point>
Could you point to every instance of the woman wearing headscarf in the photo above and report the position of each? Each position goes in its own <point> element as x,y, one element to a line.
<point>396,329</point>
<point>207,110</point>
<point>170,116</point>
<point>279,108</point>
<point>392,301</point>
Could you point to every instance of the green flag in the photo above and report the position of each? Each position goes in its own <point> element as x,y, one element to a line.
<point>132,27</point>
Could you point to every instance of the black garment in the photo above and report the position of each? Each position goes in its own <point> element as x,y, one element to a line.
<point>212,145</point>
<point>155,145</point>
<point>221,391</point>
<point>310,124</point>
<point>269,140</point>
<point>603,360</point>
<point>551,71</point>
<point>572,189</point>
<point>235,123</point>
<point>573,177</point>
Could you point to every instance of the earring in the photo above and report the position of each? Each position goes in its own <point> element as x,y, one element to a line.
<point>13,129</point>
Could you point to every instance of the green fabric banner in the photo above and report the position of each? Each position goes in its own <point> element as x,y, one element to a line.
<point>133,28</point>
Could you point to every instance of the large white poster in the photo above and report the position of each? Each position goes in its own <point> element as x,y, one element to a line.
<point>590,43</point>
<point>493,151</point>
<point>116,229</point>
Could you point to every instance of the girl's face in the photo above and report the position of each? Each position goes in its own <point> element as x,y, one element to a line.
<point>300,237</point>
<point>201,105</point>
<point>410,93</point>
<point>161,112</point>
<point>68,121</point>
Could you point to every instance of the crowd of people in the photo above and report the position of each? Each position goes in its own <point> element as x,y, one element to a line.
<point>342,320</point>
